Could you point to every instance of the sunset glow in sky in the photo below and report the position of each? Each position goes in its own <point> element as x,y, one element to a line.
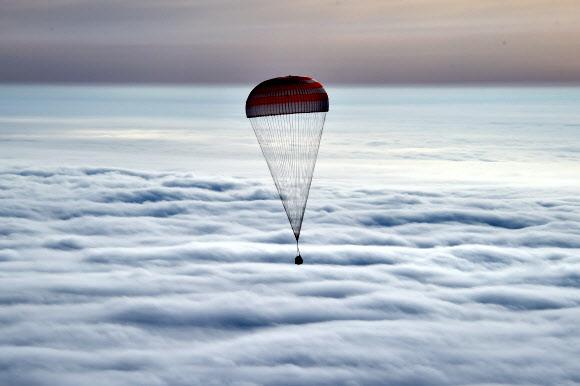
<point>337,41</point>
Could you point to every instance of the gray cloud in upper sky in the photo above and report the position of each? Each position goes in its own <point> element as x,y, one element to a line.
<point>156,278</point>
<point>335,41</point>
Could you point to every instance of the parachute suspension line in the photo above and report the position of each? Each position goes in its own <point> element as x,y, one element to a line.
<point>290,143</point>
<point>297,249</point>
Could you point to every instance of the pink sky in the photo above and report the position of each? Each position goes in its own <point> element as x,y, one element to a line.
<point>334,41</point>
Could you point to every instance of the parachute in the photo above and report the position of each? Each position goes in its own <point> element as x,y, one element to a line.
<point>287,115</point>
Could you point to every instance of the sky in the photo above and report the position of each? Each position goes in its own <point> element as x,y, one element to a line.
<point>337,41</point>
<point>142,240</point>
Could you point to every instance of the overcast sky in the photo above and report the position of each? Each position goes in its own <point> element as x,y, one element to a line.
<point>334,41</point>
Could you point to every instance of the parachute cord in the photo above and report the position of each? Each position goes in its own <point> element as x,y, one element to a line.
<point>297,249</point>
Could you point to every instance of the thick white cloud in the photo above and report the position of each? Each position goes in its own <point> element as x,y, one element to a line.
<point>441,240</point>
<point>126,277</point>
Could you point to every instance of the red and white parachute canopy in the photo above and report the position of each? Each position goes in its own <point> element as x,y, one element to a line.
<point>287,95</point>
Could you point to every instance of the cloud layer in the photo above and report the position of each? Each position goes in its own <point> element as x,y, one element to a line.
<point>159,278</point>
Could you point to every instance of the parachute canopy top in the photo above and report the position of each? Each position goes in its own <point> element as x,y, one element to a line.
<point>287,95</point>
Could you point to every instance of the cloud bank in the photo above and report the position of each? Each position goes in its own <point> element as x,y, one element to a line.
<point>129,278</point>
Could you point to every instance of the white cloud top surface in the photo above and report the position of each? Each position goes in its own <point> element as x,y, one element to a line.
<point>427,266</point>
